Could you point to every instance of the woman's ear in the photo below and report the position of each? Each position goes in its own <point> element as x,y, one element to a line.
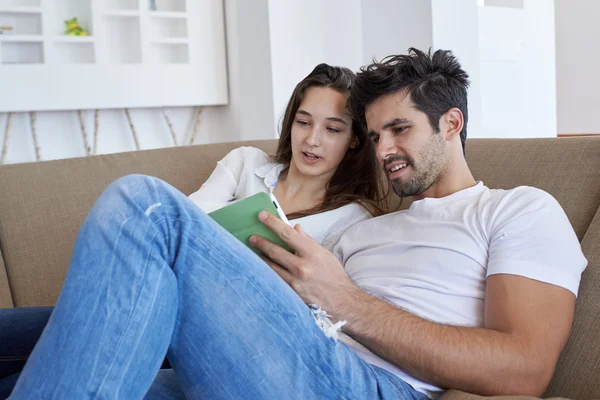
<point>354,143</point>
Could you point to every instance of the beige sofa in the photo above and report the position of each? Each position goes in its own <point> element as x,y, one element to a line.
<point>43,204</point>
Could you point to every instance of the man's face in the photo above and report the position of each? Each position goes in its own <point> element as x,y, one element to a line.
<point>412,154</point>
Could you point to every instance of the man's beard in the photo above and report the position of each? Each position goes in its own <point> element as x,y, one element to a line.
<point>424,175</point>
<point>416,185</point>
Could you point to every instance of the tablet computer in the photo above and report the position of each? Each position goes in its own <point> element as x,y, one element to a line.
<point>241,219</point>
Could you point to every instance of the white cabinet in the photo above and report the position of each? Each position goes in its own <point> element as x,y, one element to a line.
<point>134,56</point>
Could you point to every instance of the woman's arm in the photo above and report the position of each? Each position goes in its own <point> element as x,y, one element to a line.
<point>220,187</point>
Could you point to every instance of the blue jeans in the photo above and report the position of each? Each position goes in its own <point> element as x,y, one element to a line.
<point>151,274</point>
<point>20,329</point>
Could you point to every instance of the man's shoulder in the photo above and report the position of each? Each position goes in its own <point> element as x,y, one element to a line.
<point>521,197</point>
<point>523,201</point>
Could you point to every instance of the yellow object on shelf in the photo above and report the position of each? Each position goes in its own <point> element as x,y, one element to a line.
<point>73,28</point>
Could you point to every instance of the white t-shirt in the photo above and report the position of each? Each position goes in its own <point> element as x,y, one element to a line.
<point>433,259</point>
<point>246,171</point>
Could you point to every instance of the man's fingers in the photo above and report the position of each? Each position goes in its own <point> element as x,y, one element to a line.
<point>293,238</point>
<point>277,254</point>
<point>279,270</point>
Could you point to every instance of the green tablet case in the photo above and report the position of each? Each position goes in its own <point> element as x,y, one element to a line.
<point>241,219</point>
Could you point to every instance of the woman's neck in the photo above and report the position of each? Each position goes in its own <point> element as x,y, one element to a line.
<point>297,192</point>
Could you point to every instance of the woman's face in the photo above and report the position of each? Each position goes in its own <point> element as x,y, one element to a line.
<point>321,132</point>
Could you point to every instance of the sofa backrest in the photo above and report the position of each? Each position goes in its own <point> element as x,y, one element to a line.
<point>5,296</point>
<point>43,204</point>
<point>569,169</point>
<point>577,374</point>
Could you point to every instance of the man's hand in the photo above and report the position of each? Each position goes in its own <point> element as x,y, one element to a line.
<point>313,272</point>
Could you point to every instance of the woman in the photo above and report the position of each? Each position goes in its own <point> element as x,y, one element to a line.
<point>324,175</point>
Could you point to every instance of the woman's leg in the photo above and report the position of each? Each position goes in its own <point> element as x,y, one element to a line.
<point>151,272</point>
<point>7,384</point>
<point>20,329</point>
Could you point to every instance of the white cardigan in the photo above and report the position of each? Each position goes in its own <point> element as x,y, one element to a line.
<point>246,171</point>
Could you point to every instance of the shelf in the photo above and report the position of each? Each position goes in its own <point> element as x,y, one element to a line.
<point>167,14</point>
<point>174,56</point>
<point>21,38</point>
<point>21,10</point>
<point>115,5</point>
<point>170,5</point>
<point>23,24</point>
<point>123,39</point>
<point>22,53</point>
<point>66,10</point>
<point>20,4</point>
<point>75,53</point>
<point>169,28</point>
<point>122,13</point>
<point>171,41</point>
<point>170,53</point>
<point>74,39</point>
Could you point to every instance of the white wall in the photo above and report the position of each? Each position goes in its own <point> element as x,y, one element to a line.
<point>304,33</point>
<point>518,75</point>
<point>249,114</point>
<point>392,26</point>
<point>456,27</point>
<point>59,132</point>
<point>577,65</point>
<point>272,44</point>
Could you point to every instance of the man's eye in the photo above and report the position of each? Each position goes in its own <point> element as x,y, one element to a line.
<point>375,139</point>
<point>400,129</point>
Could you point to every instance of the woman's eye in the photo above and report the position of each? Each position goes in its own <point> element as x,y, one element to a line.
<point>334,130</point>
<point>301,122</point>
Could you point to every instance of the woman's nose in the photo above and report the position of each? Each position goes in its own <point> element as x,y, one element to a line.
<point>314,139</point>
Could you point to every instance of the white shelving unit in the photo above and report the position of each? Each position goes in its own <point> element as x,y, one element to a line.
<point>133,57</point>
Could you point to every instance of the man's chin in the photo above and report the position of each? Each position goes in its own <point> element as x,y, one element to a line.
<point>406,190</point>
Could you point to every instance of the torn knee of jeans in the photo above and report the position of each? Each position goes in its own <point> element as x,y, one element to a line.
<point>153,207</point>
<point>322,320</point>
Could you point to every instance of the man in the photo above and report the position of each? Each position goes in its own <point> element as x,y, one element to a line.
<point>470,288</point>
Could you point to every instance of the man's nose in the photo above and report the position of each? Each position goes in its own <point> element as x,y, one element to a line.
<point>386,147</point>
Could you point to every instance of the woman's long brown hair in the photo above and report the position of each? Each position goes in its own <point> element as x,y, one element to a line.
<point>358,178</point>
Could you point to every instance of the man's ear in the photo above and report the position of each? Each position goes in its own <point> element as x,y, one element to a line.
<point>452,123</point>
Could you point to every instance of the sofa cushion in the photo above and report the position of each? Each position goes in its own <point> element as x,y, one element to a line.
<point>43,204</point>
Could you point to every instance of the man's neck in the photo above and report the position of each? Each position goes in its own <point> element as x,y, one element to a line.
<point>455,178</point>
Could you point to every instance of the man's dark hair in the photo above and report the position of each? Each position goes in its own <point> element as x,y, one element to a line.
<point>436,83</point>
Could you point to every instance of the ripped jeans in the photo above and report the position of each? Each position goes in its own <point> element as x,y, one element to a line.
<point>151,275</point>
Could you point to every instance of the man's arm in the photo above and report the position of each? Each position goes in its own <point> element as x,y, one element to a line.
<point>526,323</point>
